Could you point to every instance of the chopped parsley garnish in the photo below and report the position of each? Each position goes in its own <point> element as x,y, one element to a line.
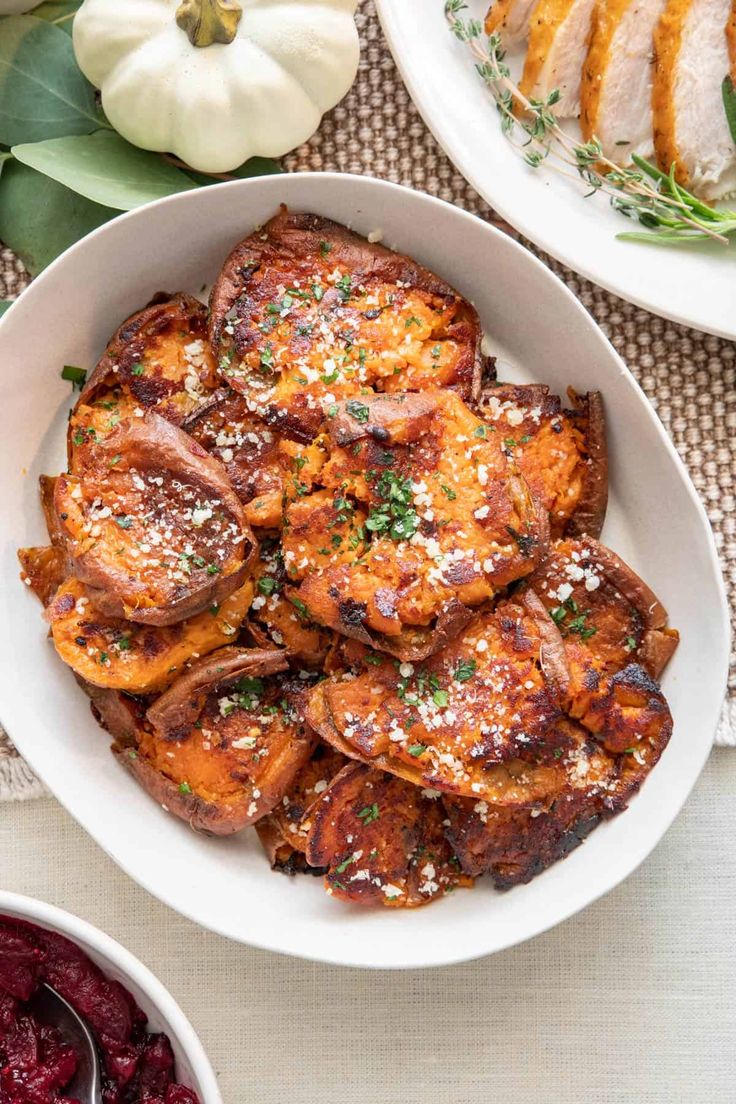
<point>344,864</point>
<point>344,285</point>
<point>300,608</point>
<point>324,248</point>
<point>440,698</point>
<point>267,585</point>
<point>267,357</point>
<point>76,376</point>
<point>213,569</point>
<point>480,431</point>
<point>317,292</point>
<point>448,492</point>
<point>374,660</point>
<point>465,670</point>
<point>417,749</point>
<point>184,788</point>
<point>358,410</point>
<point>412,321</point>
<point>577,625</point>
<point>630,644</point>
<point>369,814</point>
<point>137,370</point>
<point>124,521</point>
<point>395,515</point>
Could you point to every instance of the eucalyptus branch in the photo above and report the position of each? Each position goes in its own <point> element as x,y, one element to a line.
<point>669,212</point>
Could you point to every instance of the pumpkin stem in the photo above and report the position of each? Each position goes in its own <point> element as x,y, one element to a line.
<point>208,21</point>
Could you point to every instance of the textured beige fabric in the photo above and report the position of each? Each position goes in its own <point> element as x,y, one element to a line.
<point>688,376</point>
<point>630,1002</point>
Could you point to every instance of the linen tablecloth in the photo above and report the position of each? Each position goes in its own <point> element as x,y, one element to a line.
<point>690,377</point>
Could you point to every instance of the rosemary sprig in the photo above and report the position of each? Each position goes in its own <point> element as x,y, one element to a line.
<point>669,213</point>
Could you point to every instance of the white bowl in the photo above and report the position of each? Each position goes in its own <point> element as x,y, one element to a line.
<point>164,1014</point>
<point>655,521</point>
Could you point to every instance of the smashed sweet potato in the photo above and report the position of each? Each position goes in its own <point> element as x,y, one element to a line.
<point>305,313</point>
<point>159,359</point>
<point>423,517</point>
<point>124,655</point>
<point>284,832</point>
<point>221,746</point>
<point>607,616</point>
<point>152,525</point>
<point>476,718</point>
<point>262,464</point>
<point>562,454</point>
<point>274,620</point>
<point>382,840</point>
<point>514,844</point>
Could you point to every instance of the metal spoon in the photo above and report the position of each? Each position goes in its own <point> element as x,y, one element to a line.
<point>51,1009</point>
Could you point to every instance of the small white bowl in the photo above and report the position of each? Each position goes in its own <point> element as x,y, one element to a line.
<point>164,1014</point>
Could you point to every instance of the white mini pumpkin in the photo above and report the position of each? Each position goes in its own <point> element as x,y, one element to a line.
<point>217,81</point>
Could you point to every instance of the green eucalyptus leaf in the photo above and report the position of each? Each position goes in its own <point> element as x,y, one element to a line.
<point>254,166</point>
<point>105,168</point>
<point>729,102</point>
<point>42,91</point>
<point>39,218</point>
<point>60,12</point>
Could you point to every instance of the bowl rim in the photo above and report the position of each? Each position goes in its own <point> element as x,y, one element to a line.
<point>87,935</point>
<point>444,209</point>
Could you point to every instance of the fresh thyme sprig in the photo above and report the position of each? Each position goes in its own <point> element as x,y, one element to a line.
<point>669,213</point>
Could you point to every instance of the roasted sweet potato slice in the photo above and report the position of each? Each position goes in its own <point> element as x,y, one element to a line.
<point>514,844</point>
<point>274,620</point>
<point>285,830</point>
<point>478,718</point>
<point>607,616</point>
<point>261,463</point>
<point>428,517</point>
<point>383,841</point>
<point>305,313</point>
<point>140,659</point>
<point>159,359</point>
<point>562,454</point>
<point>43,569</point>
<point>222,745</point>
<point>152,525</point>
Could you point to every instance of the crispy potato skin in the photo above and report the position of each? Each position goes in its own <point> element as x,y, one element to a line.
<point>43,570</point>
<point>382,840</point>
<point>451,520</point>
<point>562,454</point>
<point>150,484</point>
<point>159,359</point>
<point>222,745</point>
<point>514,844</point>
<point>284,832</point>
<point>140,659</point>
<point>394,325</point>
<point>478,718</point>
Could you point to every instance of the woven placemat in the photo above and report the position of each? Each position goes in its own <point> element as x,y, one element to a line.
<point>688,376</point>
